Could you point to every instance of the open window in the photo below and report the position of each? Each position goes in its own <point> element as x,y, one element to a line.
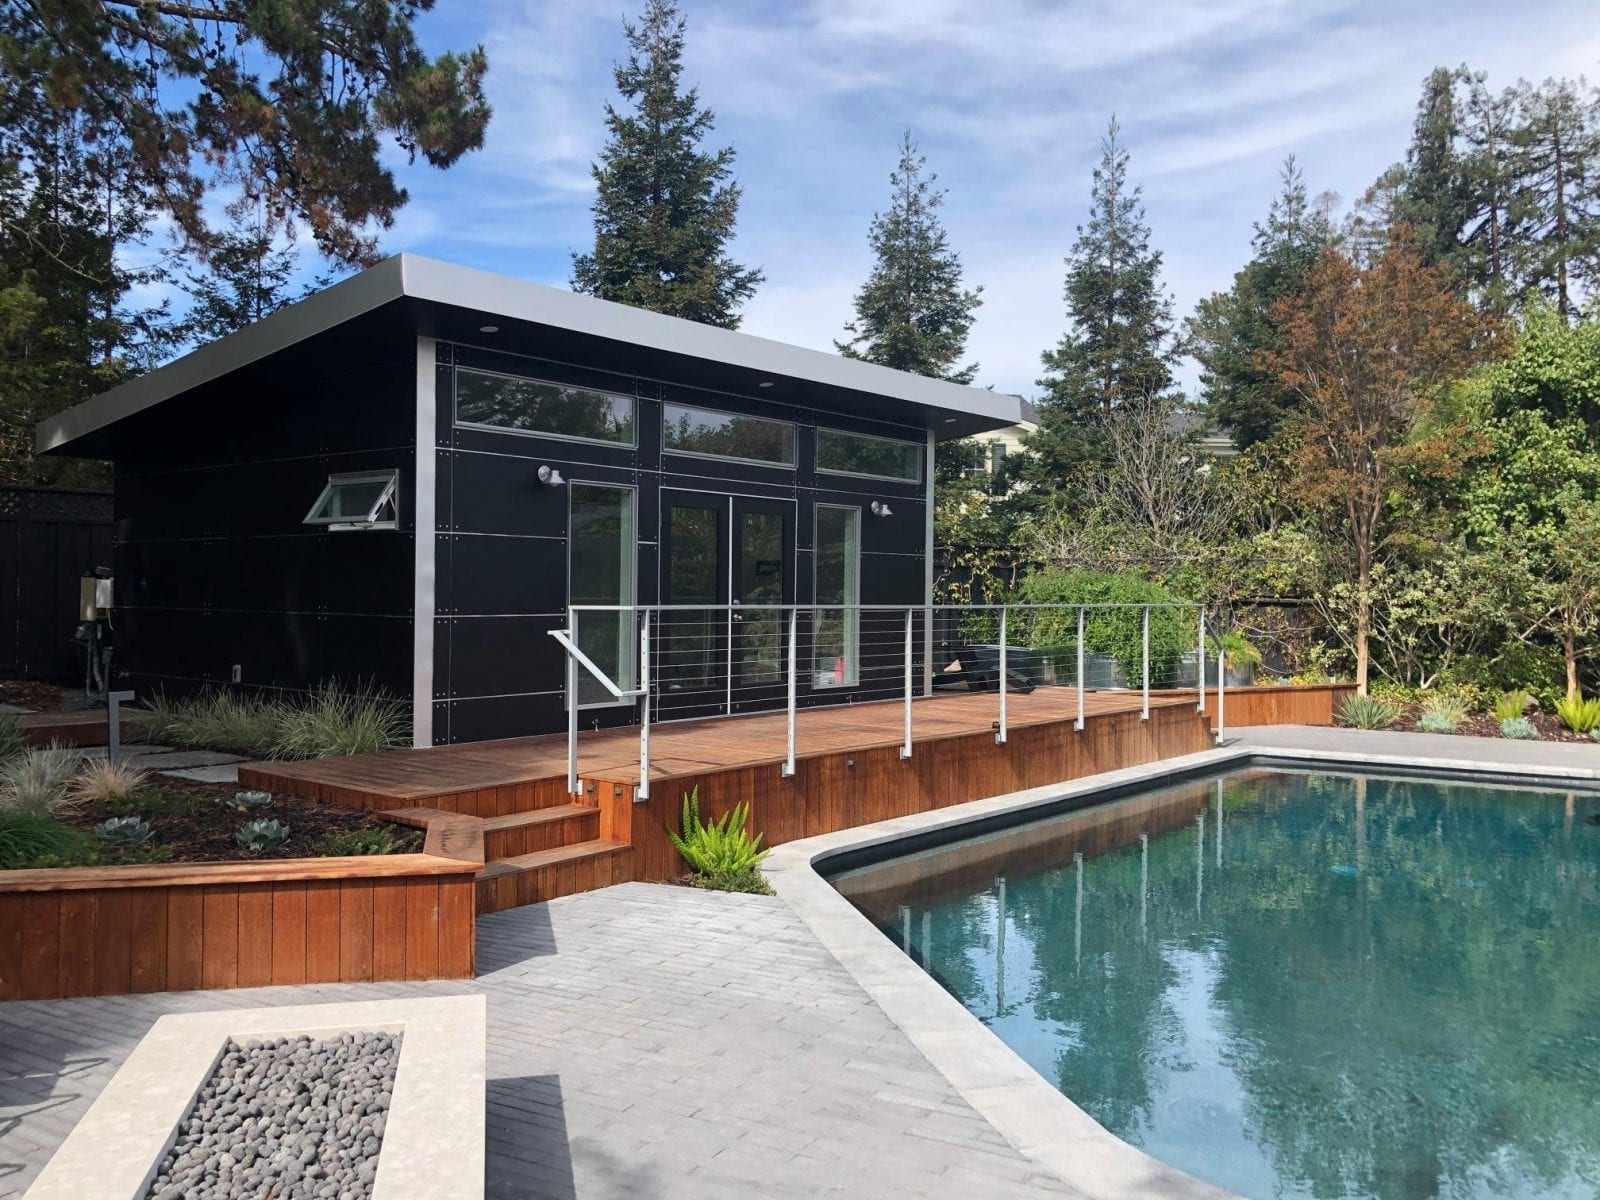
<point>358,500</point>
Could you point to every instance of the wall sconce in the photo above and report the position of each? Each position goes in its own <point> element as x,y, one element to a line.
<point>550,477</point>
<point>881,509</point>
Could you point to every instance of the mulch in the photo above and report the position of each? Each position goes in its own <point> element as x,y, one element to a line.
<point>194,823</point>
<point>1484,725</point>
<point>40,697</point>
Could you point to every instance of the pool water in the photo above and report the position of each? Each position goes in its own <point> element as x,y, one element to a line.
<point>1293,984</point>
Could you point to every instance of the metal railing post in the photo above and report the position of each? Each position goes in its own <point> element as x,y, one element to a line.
<point>1200,657</point>
<point>1144,713</point>
<point>905,748</point>
<point>1222,677</point>
<point>1000,737</point>
<point>1079,723</point>
<point>794,639</point>
<point>572,712</point>
<point>644,707</point>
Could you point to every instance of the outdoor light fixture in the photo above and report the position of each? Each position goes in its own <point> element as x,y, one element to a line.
<point>765,383</point>
<point>880,509</point>
<point>550,477</point>
<point>488,329</point>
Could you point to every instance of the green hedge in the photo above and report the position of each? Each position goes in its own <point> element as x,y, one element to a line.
<point>1117,632</point>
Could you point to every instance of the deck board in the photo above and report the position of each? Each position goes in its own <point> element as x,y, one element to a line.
<point>691,748</point>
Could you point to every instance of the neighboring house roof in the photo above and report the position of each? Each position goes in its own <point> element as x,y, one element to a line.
<point>435,295</point>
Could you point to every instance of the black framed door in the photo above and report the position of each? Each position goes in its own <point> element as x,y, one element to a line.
<point>730,559</point>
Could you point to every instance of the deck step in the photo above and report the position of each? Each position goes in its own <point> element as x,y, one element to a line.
<point>546,874</point>
<point>542,829</point>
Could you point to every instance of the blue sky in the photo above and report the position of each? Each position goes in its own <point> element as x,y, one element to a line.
<point>1008,99</point>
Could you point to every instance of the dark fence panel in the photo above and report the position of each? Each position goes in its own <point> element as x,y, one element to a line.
<point>48,538</point>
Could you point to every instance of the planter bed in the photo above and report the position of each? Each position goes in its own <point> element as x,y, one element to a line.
<point>1549,726</point>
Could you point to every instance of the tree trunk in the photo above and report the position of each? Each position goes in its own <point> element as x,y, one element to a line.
<point>1569,650</point>
<point>1363,631</point>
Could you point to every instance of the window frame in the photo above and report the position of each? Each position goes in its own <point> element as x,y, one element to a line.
<point>630,603</point>
<point>852,627</point>
<point>922,465</point>
<point>711,456</point>
<point>390,495</point>
<point>631,397</point>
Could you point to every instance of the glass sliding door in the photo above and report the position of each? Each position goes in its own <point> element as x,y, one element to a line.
<point>837,641</point>
<point>600,563</point>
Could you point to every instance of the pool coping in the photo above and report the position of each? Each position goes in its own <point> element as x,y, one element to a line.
<point>1021,1105</point>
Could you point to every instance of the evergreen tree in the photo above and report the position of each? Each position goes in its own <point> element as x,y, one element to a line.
<point>1435,196</point>
<point>246,277</point>
<point>913,313</point>
<point>291,98</point>
<point>1556,209</point>
<point>1487,131</point>
<point>1229,330</point>
<point>1119,341</point>
<point>664,209</point>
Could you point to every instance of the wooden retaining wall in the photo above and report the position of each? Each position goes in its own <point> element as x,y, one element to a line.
<point>1266,704</point>
<point>97,931</point>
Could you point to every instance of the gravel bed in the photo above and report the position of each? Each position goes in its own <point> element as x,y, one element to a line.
<point>288,1118</point>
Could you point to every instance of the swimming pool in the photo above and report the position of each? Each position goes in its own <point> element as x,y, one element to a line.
<point>1292,983</point>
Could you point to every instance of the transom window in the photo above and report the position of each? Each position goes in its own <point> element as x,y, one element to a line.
<point>358,500</point>
<point>704,431</point>
<point>537,406</point>
<point>842,453</point>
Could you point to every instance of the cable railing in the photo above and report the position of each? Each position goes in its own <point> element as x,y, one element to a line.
<point>670,662</point>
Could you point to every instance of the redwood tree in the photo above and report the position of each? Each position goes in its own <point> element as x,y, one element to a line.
<point>1368,350</point>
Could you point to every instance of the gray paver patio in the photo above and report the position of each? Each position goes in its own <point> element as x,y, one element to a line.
<point>1576,759</point>
<point>644,1041</point>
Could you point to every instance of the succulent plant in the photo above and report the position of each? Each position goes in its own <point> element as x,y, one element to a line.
<point>123,832</point>
<point>261,835</point>
<point>1520,728</point>
<point>249,800</point>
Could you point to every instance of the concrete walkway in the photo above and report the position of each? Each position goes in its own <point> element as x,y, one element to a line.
<point>644,1041</point>
<point>1573,760</point>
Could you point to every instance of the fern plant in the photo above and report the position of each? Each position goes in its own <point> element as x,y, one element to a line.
<point>1511,705</point>
<point>1519,728</point>
<point>1579,715</point>
<point>717,848</point>
<point>1368,712</point>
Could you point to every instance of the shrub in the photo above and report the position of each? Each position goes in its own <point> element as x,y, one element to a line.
<point>123,832</point>
<point>10,736</point>
<point>752,883</point>
<point>1511,705</point>
<point>149,801</point>
<point>337,721</point>
<point>1595,734</point>
<point>720,849</point>
<point>36,781</point>
<point>381,839</point>
<point>1520,728</point>
<point>1447,706</point>
<point>100,779</point>
<point>259,836</point>
<point>1117,632</point>
<point>30,840</point>
<point>1368,712</point>
<point>1579,715</point>
<point>1436,722</point>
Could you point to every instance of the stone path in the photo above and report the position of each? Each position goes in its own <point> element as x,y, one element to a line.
<point>644,1041</point>
<point>1482,753</point>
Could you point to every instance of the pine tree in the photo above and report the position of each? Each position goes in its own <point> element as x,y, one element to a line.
<point>1487,131</point>
<point>1229,330</point>
<point>1556,207</point>
<point>1119,341</point>
<point>913,313</point>
<point>664,209</point>
<point>1435,197</point>
<point>246,277</point>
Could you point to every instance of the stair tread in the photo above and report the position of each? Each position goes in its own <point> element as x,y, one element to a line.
<point>538,816</point>
<point>550,858</point>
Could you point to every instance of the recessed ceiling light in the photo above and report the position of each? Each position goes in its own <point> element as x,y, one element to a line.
<point>765,383</point>
<point>488,329</point>
<point>949,420</point>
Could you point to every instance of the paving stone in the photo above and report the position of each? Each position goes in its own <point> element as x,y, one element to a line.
<point>644,1041</point>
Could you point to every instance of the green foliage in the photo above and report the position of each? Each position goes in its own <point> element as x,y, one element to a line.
<point>31,840</point>
<point>150,802</point>
<point>1117,632</point>
<point>260,836</point>
<point>752,883</point>
<point>1578,714</point>
<point>124,832</point>
<point>1437,722</point>
<point>334,720</point>
<point>664,209</point>
<point>380,839</point>
<point>1511,705</point>
<point>1446,706</point>
<point>1240,651</point>
<point>1368,712</point>
<point>913,313</point>
<point>246,801</point>
<point>36,781</point>
<point>1519,728</point>
<point>717,849</point>
<point>1594,734</point>
<point>10,736</point>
